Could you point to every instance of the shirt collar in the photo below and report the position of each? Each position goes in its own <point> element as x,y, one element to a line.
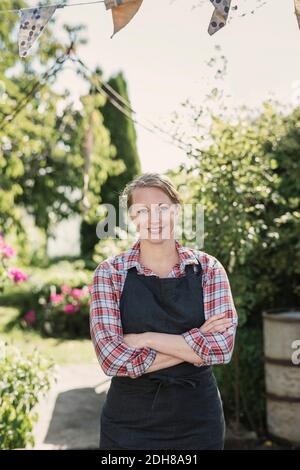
<point>186,255</point>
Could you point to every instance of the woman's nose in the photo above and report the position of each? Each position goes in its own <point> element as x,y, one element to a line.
<point>155,215</point>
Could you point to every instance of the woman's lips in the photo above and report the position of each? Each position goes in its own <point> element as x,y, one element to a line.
<point>155,230</point>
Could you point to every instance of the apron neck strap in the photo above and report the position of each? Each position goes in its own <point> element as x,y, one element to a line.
<point>196,268</point>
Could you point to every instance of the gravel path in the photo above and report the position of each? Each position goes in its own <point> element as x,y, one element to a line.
<point>69,416</point>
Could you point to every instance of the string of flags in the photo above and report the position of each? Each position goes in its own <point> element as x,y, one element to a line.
<point>34,20</point>
<point>124,10</point>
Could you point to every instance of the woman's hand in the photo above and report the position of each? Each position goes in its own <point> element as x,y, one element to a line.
<point>136,340</point>
<point>216,324</point>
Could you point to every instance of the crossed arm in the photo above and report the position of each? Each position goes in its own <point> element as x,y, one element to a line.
<point>173,349</point>
<point>136,354</point>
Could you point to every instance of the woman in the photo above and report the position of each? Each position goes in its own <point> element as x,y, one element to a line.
<point>161,316</point>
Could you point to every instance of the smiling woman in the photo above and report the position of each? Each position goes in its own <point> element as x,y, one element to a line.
<point>153,204</point>
<point>161,314</point>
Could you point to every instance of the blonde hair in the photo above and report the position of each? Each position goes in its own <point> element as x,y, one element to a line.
<point>151,180</point>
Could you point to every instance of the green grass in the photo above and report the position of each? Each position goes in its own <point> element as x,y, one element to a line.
<point>60,351</point>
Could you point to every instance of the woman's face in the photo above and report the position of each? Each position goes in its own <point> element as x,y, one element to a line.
<point>153,213</point>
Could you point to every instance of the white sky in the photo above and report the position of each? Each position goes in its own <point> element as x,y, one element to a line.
<point>163,50</point>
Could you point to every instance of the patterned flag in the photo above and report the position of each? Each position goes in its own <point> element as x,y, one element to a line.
<point>122,12</point>
<point>33,22</point>
<point>220,15</point>
<point>297,10</point>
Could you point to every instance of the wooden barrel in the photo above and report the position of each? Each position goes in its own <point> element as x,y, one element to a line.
<point>282,373</point>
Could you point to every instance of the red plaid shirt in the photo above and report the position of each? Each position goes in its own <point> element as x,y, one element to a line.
<point>114,355</point>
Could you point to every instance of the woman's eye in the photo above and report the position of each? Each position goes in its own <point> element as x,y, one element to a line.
<point>164,207</point>
<point>142,211</point>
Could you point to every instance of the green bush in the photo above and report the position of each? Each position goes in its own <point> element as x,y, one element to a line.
<point>245,175</point>
<point>54,301</point>
<point>64,312</point>
<point>58,311</point>
<point>23,380</point>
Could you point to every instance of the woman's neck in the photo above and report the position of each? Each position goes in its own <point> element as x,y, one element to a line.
<point>159,257</point>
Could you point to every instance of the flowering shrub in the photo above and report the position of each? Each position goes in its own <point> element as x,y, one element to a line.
<point>23,381</point>
<point>14,274</point>
<point>60,312</point>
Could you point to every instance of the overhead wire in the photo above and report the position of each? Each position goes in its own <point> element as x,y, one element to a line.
<point>113,96</point>
<point>118,101</point>
<point>57,5</point>
<point>54,69</point>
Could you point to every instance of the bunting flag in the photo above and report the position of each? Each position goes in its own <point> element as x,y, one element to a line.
<point>297,10</point>
<point>122,12</point>
<point>33,22</point>
<point>219,16</point>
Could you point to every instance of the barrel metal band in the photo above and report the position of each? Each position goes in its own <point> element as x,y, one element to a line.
<point>280,362</point>
<point>273,397</point>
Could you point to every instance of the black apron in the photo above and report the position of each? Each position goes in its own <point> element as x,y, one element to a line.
<point>178,407</point>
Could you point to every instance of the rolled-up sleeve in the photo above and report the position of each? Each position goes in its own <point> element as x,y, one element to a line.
<point>114,355</point>
<point>215,348</point>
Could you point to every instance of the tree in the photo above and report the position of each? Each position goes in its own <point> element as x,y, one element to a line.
<point>54,157</point>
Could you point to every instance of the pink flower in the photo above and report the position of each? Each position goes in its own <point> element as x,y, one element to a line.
<point>70,308</point>
<point>30,317</point>
<point>66,289</point>
<point>17,275</point>
<point>76,293</point>
<point>8,251</point>
<point>56,298</point>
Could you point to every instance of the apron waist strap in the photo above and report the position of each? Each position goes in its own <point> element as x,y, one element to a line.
<point>168,380</point>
